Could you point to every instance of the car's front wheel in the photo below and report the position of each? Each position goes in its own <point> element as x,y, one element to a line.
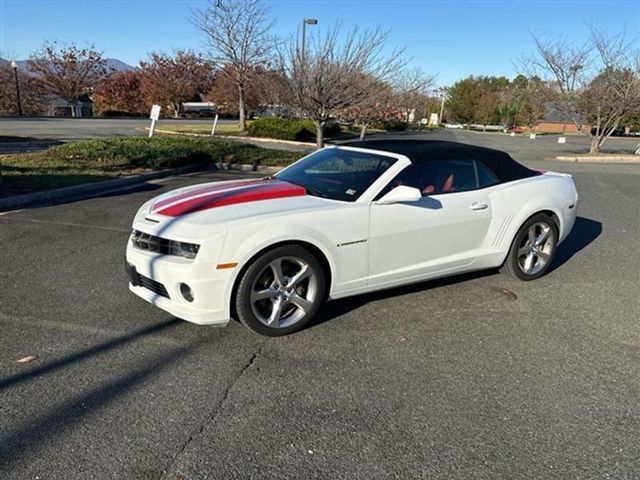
<point>533,249</point>
<point>280,291</point>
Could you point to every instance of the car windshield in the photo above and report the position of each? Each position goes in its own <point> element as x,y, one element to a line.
<point>337,173</point>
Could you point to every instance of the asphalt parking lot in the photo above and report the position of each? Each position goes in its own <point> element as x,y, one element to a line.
<point>478,377</point>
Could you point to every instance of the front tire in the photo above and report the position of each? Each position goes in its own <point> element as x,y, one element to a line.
<point>280,291</point>
<point>533,248</point>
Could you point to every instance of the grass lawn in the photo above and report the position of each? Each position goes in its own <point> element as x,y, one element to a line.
<point>345,133</point>
<point>103,159</point>
<point>221,128</point>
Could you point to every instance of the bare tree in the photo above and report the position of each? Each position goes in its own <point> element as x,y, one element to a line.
<point>596,84</point>
<point>68,71</point>
<point>411,90</point>
<point>377,105</point>
<point>330,77</point>
<point>237,33</point>
<point>175,79</point>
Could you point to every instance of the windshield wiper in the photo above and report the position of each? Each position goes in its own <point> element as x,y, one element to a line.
<point>316,192</point>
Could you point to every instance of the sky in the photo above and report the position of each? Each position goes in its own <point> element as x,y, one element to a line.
<point>453,39</point>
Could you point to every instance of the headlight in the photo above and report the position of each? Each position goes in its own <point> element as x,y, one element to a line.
<point>183,249</point>
<point>163,246</point>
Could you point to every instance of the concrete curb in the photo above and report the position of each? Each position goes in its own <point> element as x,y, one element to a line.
<point>236,137</point>
<point>599,159</point>
<point>88,190</point>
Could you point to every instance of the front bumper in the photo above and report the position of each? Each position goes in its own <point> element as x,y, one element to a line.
<point>210,287</point>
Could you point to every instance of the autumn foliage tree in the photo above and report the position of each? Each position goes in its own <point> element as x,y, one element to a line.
<point>68,71</point>
<point>224,94</point>
<point>174,79</point>
<point>32,93</point>
<point>121,92</point>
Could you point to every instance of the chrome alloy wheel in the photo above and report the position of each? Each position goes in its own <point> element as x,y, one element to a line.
<point>283,292</point>
<point>536,248</point>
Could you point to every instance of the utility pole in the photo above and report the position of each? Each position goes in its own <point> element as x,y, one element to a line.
<point>443,92</point>
<point>14,65</point>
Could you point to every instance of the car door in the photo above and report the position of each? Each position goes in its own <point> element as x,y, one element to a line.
<point>440,233</point>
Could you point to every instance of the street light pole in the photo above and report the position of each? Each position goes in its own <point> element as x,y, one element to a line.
<point>305,22</point>
<point>443,92</point>
<point>14,65</point>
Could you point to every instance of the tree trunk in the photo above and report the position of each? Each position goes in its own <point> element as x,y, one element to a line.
<point>176,109</point>
<point>73,108</point>
<point>363,131</point>
<point>319,134</point>
<point>594,149</point>
<point>242,122</point>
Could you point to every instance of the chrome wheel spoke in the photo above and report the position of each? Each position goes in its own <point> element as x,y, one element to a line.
<point>304,272</point>
<point>531,237</point>
<point>528,262</point>
<point>302,303</point>
<point>276,268</point>
<point>544,256</point>
<point>540,239</point>
<point>523,251</point>
<point>256,296</point>
<point>276,312</point>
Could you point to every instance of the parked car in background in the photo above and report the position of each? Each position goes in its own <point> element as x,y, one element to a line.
<point>342,221</point>
<point>453,125</point>
<point>614,132</point>
<point>514,129</point>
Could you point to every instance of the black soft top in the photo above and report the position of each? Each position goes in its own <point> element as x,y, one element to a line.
<point>418,151</point>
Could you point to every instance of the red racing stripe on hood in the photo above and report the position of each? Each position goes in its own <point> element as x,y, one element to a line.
<point>204,189</point>
<point>226,194</point>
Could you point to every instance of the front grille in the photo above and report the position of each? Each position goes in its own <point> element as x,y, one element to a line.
<point>155,287</point>
<point>163,246</point>
<point>144,241</point>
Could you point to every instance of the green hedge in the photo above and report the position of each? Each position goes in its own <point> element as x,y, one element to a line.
<point>164,152</point>
<point>389,125</point>
<point>302,130</point>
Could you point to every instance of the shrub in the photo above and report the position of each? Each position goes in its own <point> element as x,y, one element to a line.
<point>302,130</point>
<point>331,129</point>
<point>118,113</point>
<point>164,152</point>
<point>393,124</point>
<point>282,129</point>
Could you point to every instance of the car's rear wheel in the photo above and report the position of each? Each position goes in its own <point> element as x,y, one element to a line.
<point>533,248</point>
<point>280,291</point>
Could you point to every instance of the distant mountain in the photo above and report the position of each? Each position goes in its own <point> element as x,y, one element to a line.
<point>119,65</point>
<point>112,63</point>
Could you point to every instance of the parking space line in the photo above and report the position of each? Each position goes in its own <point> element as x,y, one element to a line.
<point>71,224</point>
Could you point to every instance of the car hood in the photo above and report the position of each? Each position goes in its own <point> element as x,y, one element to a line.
<point>201,210</point>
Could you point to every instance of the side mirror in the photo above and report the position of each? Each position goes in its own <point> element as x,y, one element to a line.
<point>401,194</point>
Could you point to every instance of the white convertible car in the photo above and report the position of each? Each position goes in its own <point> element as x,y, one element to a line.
<point>342,221</point>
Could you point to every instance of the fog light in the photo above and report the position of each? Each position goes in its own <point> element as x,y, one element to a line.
<point>186,292</point>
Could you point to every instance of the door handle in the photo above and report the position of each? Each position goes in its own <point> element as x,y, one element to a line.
<point>479,206</point>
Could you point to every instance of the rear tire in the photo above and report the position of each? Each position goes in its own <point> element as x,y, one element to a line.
<point>533,248</point>
<point>281,291</point>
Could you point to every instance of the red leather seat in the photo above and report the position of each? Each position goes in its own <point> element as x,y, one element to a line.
<point>428,189</point>
<point>447,186</point>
